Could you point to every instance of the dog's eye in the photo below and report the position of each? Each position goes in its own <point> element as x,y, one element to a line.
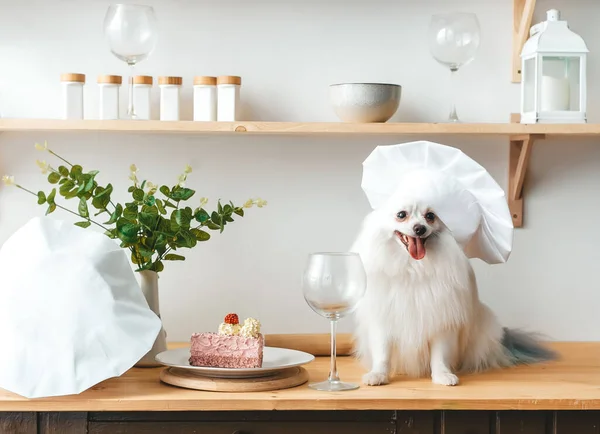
<point>401,215</point>
<point>430,217</point>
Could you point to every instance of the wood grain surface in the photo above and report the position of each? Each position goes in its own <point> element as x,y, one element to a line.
<point>189,380</point>
<point>570,383</point>
<point>297,128</point>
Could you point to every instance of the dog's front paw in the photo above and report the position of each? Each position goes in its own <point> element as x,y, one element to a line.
<point>445,378</point>
<point>375,378</point>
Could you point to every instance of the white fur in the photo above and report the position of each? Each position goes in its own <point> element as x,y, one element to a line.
<point>420,317</point>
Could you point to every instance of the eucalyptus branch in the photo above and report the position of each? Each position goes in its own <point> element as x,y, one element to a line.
<point>64,209</point>
<point>143,226</point>
<point>59,157</point>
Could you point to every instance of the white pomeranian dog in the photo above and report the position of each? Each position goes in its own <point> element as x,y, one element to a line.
<point>421,313</point>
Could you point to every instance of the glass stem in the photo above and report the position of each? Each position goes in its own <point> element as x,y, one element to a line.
<point>333,373</point>
<point>130,110</point>
<point>453,116</point>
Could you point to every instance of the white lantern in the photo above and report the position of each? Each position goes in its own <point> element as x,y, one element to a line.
<point>553,74</point>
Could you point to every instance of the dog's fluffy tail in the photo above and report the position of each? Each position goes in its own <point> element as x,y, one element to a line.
<point>525,348</point>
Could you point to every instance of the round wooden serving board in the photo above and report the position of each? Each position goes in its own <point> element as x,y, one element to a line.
<point>285,379</point>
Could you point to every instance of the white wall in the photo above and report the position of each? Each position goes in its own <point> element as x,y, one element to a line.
<point>287,53</point>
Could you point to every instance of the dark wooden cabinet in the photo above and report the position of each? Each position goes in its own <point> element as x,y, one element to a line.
<point>303,422</point>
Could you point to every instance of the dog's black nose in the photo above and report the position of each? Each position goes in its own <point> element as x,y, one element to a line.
<point>419,230</point>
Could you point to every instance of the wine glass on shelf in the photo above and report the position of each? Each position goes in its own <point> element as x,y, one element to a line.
<point>333,284</point>
<point>131,32</point>
<point>453,42</point>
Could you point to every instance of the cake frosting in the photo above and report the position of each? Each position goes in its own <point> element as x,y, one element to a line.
<point>234,346</point>
<point>229,329</point>
<point>251,328</point>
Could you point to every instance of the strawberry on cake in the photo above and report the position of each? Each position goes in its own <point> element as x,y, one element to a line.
<point>234,346</point>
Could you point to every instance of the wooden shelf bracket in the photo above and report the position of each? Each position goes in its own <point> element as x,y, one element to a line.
<point>519,153</point>
<point>522,16</point>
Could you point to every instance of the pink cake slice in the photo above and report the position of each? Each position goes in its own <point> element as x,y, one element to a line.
<point>222,351</point>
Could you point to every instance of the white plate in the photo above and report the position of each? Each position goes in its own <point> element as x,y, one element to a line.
<point>274,360</point>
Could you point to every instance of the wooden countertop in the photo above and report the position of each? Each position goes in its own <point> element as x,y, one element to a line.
<point>572,383</point>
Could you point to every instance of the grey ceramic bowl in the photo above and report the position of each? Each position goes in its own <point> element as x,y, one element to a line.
<point>365,102</point>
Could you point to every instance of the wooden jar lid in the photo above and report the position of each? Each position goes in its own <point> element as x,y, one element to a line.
<point>143,79</point>
<point>202,79</point>
<point>229,79</point>
<point>170,80</point>
<point>110,79</point>
<point>79,78</point>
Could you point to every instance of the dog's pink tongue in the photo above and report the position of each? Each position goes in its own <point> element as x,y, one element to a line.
<point>416,248</point>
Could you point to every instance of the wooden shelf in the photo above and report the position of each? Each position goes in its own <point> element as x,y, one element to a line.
<point>301,128</point>
<point>571,383</point>
<point>520,136</point>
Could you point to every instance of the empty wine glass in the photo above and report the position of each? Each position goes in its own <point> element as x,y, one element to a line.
<point>453,42</point>
<point>131,32</point>
<point>333,284</point>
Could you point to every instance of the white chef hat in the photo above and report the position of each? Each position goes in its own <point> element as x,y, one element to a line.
<point>462,193</point>
<point>71,311</point>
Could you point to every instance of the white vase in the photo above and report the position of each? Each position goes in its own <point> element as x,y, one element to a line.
<point>149,284</point>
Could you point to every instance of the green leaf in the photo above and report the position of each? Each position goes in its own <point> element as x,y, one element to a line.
<point>127,231</point>
<point>71,194</point>
<point>137,259</point>
<point>41,198</point>
<point>83,208</point>
<point>62,181</point>
<point>228,218</point>
<point>216,218</point>
<point>76,171</point>
<point>165,227</point>
<point>182,194</point>
<point>185,239</point>
<point>148,220</point>
<point>85,224</point>
<point>93,173</point>
<point>89,185</point>
<point>212,225</point>
<point>150,209</point>
<point>51,197</point>
<point>183,217</point>
<point>115,215</point>
<point>227,209</point>
<point>165,190</point>
<point>131,211</point>
<point>143,184</point>
<point>201,215</point>
<point>219,207</point>
<point>130,189</point>
<point>174,257</point>
<point>239,211</point>
<point>174,225</point>
<point>53,178</point>
<point>169,204</point>
<point>63,171</point>
<point>161,243</point>
<point>111,233</point>
<point>160,206</point>
<point>51,208</point>
<point>150,200</point>
<point>146,253</point>
<point>138,194</point>
<point>102,197</point>
<point>157,266</point>
<point>200,234</point>
<point>66,187</point>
